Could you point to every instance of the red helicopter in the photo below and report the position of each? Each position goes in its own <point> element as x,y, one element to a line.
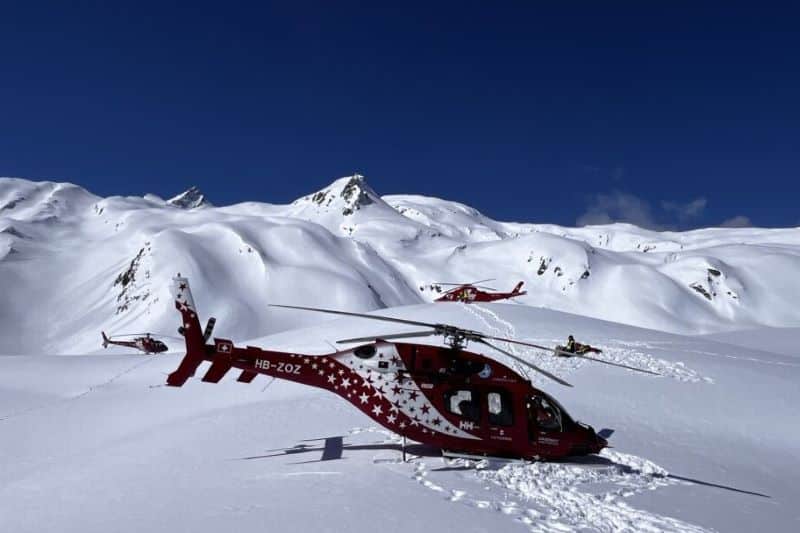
<point>463,403</point>
<point>145,343</point>
<point>471,292</point>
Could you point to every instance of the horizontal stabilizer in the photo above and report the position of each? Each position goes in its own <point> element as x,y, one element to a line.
<point>605,433</point>
<point>218,369</point>
<point>186,370</point>
<point>247,376</point>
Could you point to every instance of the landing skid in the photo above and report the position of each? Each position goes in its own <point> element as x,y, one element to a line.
<point>448,454</point>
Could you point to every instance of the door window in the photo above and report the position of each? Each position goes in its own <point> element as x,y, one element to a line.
<point>500,413</point>
<point>463,403</point>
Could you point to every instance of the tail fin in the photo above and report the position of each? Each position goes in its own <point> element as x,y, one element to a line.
<point>209,328</point>
<point>518,287</point>
<point>105,339</point>
<point>191,331</point>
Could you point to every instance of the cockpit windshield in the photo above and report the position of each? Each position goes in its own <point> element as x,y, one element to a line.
<point>545,413</point>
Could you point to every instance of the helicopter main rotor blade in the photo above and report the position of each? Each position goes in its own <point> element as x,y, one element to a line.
<point>474,283</point>
<point>468,285</point>
<point>512,341</point>
<point>440,329</point>
<point>389,336</point>
<point>526,363</point>
<point>152,336</point>
<point>362,315</point>
<point>615,364</point>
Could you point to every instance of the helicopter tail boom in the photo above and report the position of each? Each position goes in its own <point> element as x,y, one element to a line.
<point>222,354</point>
<point>105,339</point>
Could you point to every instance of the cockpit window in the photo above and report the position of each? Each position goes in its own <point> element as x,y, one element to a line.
<point>500,413</point>
<point>463,403</point>
<point>544,414</point>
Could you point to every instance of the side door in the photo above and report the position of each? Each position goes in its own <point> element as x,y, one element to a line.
<point>545,424</point>
<point>464,404</point>
<point>500,415</point>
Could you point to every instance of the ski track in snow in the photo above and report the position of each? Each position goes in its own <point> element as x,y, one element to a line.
<point>653,345</point>
<point>506,329</point>
<point>547,497</point>
<point>89,390</point>
<point>565,497</point>
<point>628,353</point>
<point>554,497</point>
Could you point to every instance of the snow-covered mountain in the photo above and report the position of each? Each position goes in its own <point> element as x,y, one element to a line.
<point>81,263</point>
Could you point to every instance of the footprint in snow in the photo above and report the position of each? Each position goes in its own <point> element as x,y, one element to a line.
<point>554,497</point>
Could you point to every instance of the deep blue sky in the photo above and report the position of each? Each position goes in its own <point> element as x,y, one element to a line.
<point>676,115</point>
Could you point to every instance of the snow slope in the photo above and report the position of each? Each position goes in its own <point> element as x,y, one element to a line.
<point>97,443</point>
<point>778,340</point>
<point>72,263</point>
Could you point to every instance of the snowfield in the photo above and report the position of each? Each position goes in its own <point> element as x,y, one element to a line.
<point>96,442</point>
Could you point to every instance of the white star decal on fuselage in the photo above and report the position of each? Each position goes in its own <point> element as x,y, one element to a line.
<point>403,395</point>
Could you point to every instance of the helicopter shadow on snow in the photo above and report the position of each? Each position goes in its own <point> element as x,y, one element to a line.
<point>333,448</point>
<point>597,461</point>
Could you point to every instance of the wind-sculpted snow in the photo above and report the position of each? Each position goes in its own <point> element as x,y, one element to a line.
<point>41,201</point>
<point>347,247</point>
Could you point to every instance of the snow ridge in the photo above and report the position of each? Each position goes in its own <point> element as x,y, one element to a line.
<point>345,246</point>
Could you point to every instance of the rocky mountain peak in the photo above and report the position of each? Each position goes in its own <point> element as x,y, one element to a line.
<point>349,194</point>
<point>189,199</point>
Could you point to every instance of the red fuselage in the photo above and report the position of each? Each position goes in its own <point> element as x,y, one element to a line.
<point>452,399</point>
<point>469,294</point>
<point>145,344</point>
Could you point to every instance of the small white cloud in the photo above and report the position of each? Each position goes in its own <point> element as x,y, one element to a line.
<point>739,221</point>
<point>618,207</point>
<point>686,212</point>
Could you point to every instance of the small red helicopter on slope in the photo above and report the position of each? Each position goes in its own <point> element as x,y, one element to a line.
<point>145,342</point>
<point>471,292</point>
<point>461,402</point>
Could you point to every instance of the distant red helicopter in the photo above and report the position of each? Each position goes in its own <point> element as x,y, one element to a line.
<point>464,403</point>
<point>471,292</point>
<point>145,343</point>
